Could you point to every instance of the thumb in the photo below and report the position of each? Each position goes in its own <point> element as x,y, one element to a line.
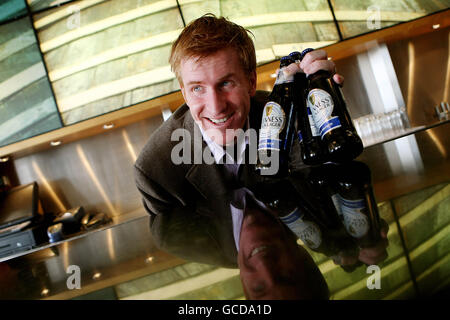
<point>339,79</point>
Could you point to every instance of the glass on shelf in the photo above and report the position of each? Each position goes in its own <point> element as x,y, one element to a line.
<point>373,128</point>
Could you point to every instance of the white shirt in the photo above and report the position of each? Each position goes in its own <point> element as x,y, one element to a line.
<point>237,205</point>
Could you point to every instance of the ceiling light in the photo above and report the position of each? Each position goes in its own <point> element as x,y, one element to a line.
<point>150,259</point>
<point>436,26</point>
<point>44,292</point>
<point>55,143</point>
<point>4,159</point>
<point>107,126</point>
<point>96,275</point>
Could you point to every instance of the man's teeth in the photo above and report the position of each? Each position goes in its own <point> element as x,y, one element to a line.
<point>219,120</point>
<point>256,250</point>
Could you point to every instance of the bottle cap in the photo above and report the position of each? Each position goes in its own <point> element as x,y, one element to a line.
<point>296,55</point>
<point>304,52</point>
<point>285,61</point>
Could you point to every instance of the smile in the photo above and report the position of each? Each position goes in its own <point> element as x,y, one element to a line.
<point>219,121</point>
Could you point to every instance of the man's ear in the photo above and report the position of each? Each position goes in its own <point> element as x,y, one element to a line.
<point>252,79</point>
<point>183,92</point>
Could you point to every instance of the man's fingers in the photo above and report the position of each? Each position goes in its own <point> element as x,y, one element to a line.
<point>312,56</point>
<point>338,79</point>
<point>369,260</point>
<point>317,65</point>
<point>384,226</point>
<point>317,60</point>
<point>376,254</point>
<point>292,69</point>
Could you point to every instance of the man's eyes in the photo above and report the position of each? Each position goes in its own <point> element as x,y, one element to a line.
<point>224,84</point>
<point>197,89</point>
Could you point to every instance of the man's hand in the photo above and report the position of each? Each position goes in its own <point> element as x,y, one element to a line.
<point>370,255</point>
<point>377,253</point>
<point>318,60</point>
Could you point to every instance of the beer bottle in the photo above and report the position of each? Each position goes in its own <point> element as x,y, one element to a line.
<point>321,180</point>
<point>314,219</point>
<point>277,125</point>
<point>311,150</point>
<point>331,117</point>
<point>312,233</point>
<point>358,206</point>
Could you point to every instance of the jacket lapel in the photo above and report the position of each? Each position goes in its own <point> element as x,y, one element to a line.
<point>207,179</point>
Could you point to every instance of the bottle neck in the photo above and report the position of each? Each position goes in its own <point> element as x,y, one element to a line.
<point>283,77</point>
<point>318,74</point>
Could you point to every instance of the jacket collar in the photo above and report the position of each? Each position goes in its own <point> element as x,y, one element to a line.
<point>206,178</point>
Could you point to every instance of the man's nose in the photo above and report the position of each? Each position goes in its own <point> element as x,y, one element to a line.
<point>216,102</point>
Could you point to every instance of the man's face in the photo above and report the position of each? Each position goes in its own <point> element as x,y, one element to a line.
<point>271,265</point>
<point>217,91</point>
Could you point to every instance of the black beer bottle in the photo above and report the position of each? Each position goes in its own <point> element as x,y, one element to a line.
<point>312,152</point>
<point>331,117</point>
<point>358,206</point>
<point>312,233</point>
<point>277,125</point>
<point>321,180</point>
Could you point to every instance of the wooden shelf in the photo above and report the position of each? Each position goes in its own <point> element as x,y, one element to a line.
<point>171,101</point>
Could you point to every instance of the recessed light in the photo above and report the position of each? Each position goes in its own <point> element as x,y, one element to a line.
<point>96,275</point>
<point>55,143</point>
<point>150,259</point>
<point>436,26</point>
<point>273,75</point>
<point>4,159</point>
<point>44,292</point>
<point>107,126</point>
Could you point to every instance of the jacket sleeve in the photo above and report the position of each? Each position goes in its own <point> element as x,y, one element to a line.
<point>178,228</point>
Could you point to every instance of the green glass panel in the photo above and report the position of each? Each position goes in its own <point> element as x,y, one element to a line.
<point>27,106</point>
<point>36,5</point>
<point>276,27</point>
<point>116,55</point>
<point>362,16</point>
<point>10,9</point>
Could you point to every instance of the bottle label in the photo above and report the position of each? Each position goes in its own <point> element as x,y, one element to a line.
<point>355,221</point>
<point>321,104</point>
<point>337,204</point>
<point>314,131</point>
<point>307,231</point>
<point>273,122</point>
<point>283,76</point>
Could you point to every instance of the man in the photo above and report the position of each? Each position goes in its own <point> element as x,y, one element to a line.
<point>272,265</point>
<point>197,209</point>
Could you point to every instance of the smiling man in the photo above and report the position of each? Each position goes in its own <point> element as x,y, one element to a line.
<point>218,91</point>
<point>197,209</point>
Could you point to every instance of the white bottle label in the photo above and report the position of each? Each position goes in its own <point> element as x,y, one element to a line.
<point>273,122</point>
<point>314,131</point>
<point>355,221</point>
<point>307,231</point>
<point>321,105</point>
<point>337,204</point>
